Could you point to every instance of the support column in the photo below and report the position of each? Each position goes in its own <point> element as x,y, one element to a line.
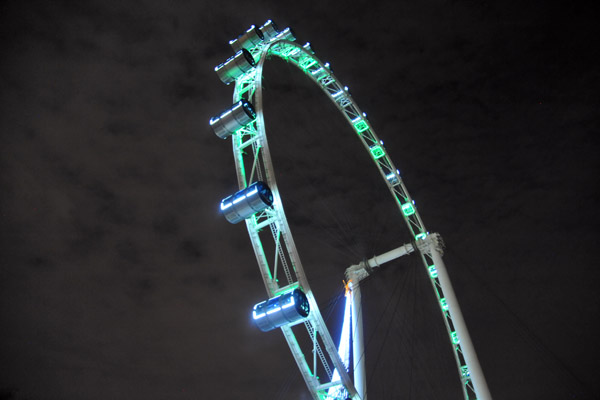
<point>476,374</point>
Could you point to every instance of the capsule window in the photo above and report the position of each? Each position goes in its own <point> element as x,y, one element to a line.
<point>247,202</point>
<point>252,37</point>
<point>286,309</point>
<point>235,66</point>
<point>229,121</point>
<point>269,30</point>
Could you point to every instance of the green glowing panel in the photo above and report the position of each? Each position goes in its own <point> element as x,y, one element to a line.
<point>307,62</point>
<point>432,271</point>
<point>454,338</point>
<point>421,236</point>
<point>444,304</point>
<point>361,126</point>
<point>408,209</point>
<point>377,152</point>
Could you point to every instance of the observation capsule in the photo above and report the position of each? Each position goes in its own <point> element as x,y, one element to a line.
<point>248,40</point>
<point>247,202</point>
<point>286,34</point>
<point>235,66</point>
<point>239,115</point>
<point>269,30</point>
<point>282,310</point>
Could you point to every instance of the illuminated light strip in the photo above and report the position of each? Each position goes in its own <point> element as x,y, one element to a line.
<point>257,316</point>
<point>274,310</point>
<point>337,94</point>
<point>343,350</point>
<point>239,199</point>
<point>226,206</point>
<point>253,191</point>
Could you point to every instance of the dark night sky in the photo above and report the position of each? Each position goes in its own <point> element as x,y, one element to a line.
<point>119,279</point>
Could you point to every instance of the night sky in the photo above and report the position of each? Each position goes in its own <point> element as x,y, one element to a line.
<point>120,280</point>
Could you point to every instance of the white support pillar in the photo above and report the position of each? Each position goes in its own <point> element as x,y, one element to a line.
<point>355,274</point>
<point>476,374</point>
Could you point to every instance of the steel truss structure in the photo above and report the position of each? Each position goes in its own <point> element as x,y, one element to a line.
<point>278,259</point>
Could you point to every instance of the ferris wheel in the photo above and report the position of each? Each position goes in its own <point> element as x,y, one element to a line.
<point>291,305</point>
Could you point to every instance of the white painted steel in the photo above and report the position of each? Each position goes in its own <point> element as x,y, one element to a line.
<point>475,371</point>
<point>254,137</point>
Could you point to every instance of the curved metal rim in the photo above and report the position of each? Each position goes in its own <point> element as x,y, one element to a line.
<point>339,95</point>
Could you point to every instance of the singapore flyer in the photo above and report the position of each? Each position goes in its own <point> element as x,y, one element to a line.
<point>291,301</point>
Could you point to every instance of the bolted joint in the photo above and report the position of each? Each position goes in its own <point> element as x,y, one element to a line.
<point>432,239</point>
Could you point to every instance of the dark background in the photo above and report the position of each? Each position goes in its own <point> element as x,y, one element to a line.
<point>119,279</point>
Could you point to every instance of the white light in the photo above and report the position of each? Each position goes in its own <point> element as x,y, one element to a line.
<point>225,206</point>
<point>356,120</point>
<point>274,310</point>
<point>254,191</point>
<point>343,349</point>
<point>226,113</point>
<point>239,199</point>
<point>346,88</point>
<point>317,71</point>
<point>213,120</point>
<point>257,316</point>
<point>337,94</point>
<point>390,176</point>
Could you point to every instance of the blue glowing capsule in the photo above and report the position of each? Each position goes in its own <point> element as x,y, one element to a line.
<point>282,310</point>
<point>247,202</point>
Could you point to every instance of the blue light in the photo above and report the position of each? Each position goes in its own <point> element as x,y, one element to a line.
<point>253,191</point>
<point>274,310</point>
<point>225,206</point>
<point>291,303</point>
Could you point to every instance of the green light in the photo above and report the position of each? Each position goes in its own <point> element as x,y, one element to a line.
<point>444,304</point>
<point>420,236</point>
<point>454,338</point>
<point>377,151</point>
<point>307,62</point>
<point>361,126</point>
<point>432,271</point>
<point>408,209</point>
